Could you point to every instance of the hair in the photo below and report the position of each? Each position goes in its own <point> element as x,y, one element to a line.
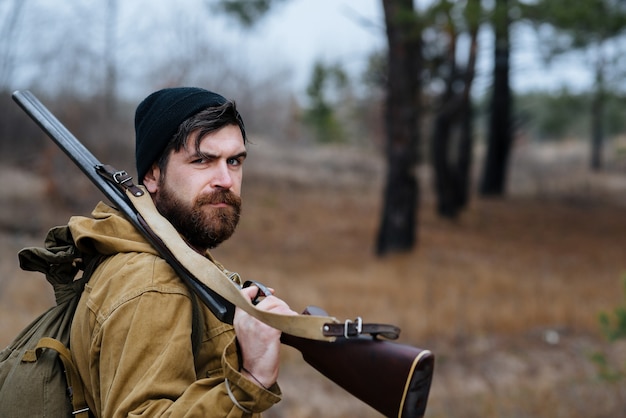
<point>204,122</point>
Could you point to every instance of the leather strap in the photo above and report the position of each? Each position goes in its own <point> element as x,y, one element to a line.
<point>351,329</point>
<point>315,325</point>
<point>119,177</point>
<point>305,326</point>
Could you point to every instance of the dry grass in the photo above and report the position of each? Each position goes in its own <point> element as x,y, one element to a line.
<point>507,296</point>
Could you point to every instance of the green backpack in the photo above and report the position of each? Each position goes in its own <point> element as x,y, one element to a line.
<point>37,375</point>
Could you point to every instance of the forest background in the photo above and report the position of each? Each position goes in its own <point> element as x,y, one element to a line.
<point>508,289</point>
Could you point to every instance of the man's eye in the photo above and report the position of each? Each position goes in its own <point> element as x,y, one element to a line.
<point>234,161</point>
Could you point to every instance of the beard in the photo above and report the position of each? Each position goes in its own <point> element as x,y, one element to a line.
<point>203,226</point>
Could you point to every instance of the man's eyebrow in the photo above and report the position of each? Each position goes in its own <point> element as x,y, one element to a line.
<point>204,155</point>
<point>209,156</point>
<point>242,154</point>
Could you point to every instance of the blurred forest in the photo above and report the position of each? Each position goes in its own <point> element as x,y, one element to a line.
<point>414,102</point>
<point>504,207</point>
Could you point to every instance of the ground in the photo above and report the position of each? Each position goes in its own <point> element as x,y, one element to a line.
<point>507,297</point>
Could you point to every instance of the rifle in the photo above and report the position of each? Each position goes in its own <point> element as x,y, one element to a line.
<point>392,378</point>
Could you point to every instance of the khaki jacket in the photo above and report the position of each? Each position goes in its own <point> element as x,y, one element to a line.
<point>131,335</point>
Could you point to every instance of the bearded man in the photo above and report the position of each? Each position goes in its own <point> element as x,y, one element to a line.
<point>142,344</point>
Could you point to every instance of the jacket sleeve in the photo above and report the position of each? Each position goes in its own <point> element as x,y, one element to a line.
<point>144,365</point>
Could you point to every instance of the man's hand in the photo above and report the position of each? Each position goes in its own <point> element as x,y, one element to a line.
<point>260,343</point>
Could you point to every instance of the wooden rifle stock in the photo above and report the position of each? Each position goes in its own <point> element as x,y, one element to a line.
<point>392,378</point>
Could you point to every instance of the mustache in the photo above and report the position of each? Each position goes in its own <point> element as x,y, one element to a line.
<point>220,196</point>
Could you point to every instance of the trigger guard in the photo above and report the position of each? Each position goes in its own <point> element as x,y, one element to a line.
<point>262,292</point>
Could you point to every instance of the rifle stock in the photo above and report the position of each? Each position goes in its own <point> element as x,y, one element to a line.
<point>392,378</point>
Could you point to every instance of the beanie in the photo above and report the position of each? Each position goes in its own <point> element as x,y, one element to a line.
<point>159,116</point>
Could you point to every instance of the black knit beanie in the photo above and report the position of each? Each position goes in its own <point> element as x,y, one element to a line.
<point>159,116</point>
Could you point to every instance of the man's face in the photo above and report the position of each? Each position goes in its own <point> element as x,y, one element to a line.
<point>199,192</point>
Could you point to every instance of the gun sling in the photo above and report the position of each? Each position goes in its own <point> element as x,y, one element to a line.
<point>314,327</point>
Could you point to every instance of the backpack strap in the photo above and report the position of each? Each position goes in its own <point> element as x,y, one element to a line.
<point>74,383</point>
<point>75,387</point>
<point>197,324</point>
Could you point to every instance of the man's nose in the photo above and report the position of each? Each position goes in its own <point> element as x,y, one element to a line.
<point>222,177</point>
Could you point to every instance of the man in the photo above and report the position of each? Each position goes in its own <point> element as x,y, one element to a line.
<point>134,337</point>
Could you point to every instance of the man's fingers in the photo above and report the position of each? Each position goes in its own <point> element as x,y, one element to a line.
<point>256,293</point>
<point>250,292</point>
<point>276,305</point>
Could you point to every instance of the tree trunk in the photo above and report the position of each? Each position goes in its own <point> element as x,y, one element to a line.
<point>399,216</point>
<point>597,127</point>
<point>500,133</point>
<point>451,156</point>
<point>452,140</point>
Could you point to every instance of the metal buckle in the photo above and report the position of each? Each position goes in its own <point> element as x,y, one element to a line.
<point>359,327</point>
<point>121,177</point>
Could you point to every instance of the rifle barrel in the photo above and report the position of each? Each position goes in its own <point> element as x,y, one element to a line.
<point>89,164</point>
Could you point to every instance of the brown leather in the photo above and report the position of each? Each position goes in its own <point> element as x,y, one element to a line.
<point>351,329</point>
<point>120,178</point>
<point>355,328</point>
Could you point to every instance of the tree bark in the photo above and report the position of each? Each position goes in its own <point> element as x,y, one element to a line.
<point>597,116</point>
<point>500,133</point>
<point>452,155</point>
<point>452,139</point>
<point>397,231</point>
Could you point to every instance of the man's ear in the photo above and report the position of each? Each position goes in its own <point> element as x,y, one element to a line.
<point>151,179</point>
